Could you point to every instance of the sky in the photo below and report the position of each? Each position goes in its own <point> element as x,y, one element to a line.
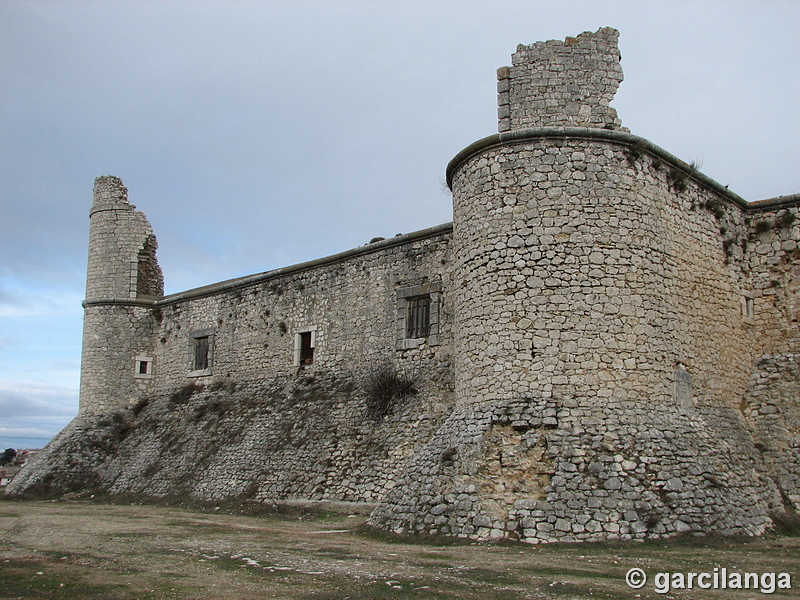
<point>260,134</point>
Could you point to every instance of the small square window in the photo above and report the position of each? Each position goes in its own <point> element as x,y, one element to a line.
<point>143,367</point>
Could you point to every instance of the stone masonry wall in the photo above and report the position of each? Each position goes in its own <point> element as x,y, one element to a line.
<point>350,305</point>
<point>613,347</point>
<point>122,266</point>
<point>557,83</point>
<point>256,424</point>
<point>771,405</point>
<point>605,331</point>
<point>596,288</point>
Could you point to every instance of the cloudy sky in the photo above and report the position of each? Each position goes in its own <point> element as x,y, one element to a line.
<point>256,135</point>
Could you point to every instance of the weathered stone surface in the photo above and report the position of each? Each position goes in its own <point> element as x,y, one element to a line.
<point>612,348</point>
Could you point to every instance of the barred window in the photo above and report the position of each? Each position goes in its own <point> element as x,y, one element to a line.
<point>418,315</point>
<point>418,321</point>
<point>201,352</point>
<point>201,348</point>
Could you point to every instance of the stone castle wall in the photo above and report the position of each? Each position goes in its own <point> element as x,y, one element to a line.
<point>606,336</point>
<point>255,423</point>
<point>612,316</point>
<point>611,353</point>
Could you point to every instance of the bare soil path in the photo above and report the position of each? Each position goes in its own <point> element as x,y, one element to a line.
<point>83,550</point>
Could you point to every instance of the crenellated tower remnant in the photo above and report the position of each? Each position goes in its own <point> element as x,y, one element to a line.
<point>561,84</point>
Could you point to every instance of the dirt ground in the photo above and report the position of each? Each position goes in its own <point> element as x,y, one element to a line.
<point>86,550</point>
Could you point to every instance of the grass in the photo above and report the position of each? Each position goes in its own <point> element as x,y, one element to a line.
<point>233,506</point>
<point>38,578</point>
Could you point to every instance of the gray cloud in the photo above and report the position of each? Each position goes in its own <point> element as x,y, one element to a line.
<point>38,400</point>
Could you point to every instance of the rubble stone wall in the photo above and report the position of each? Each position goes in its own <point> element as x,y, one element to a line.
<point>255,423</point>
<point>611,346</point>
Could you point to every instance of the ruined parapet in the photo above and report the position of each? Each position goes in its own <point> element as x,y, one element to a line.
<point>122,247</point>
<point>559,84</point>
<point>123,274</point>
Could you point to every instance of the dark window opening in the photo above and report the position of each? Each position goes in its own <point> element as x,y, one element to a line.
<point>201,350</point>
<point>143,367</point>
<point>418,321</point>
<point>306,348</point>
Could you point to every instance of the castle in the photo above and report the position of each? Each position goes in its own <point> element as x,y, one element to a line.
<point>604,343</point>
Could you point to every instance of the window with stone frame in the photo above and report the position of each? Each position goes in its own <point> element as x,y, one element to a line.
<point>201,352</point>
<point>418,315</point>
<point>143,367</point>
<point>305,341</point>
<point>201,347</point>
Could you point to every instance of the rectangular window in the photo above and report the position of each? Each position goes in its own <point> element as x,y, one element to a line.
<point>304,343</point>
<point>143,367</point>
<point>418,315</point>
<point>306,348</point>
<point>201,348</point>
<point>201,352</point>
<point>418,319</point>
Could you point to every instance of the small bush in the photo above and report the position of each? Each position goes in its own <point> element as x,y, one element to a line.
<point>634,152</point>
<point>715,207</point>
<point>786,219</point>
<point>385,386</point>
<point>677,180</point>
<point>185,393</point>
<point>763,225</point>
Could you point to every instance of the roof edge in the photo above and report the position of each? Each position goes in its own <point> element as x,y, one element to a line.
<point>247,280</point>
<point>617,137</point>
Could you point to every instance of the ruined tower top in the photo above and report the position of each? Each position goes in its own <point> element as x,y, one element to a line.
<point>561,84</point>
<point>122,247</point>
<point>109,190</point>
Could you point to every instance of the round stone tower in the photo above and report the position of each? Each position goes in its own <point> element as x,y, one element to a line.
<point>601,355</point>
<point>541,213</point>
<point>122,280</point>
